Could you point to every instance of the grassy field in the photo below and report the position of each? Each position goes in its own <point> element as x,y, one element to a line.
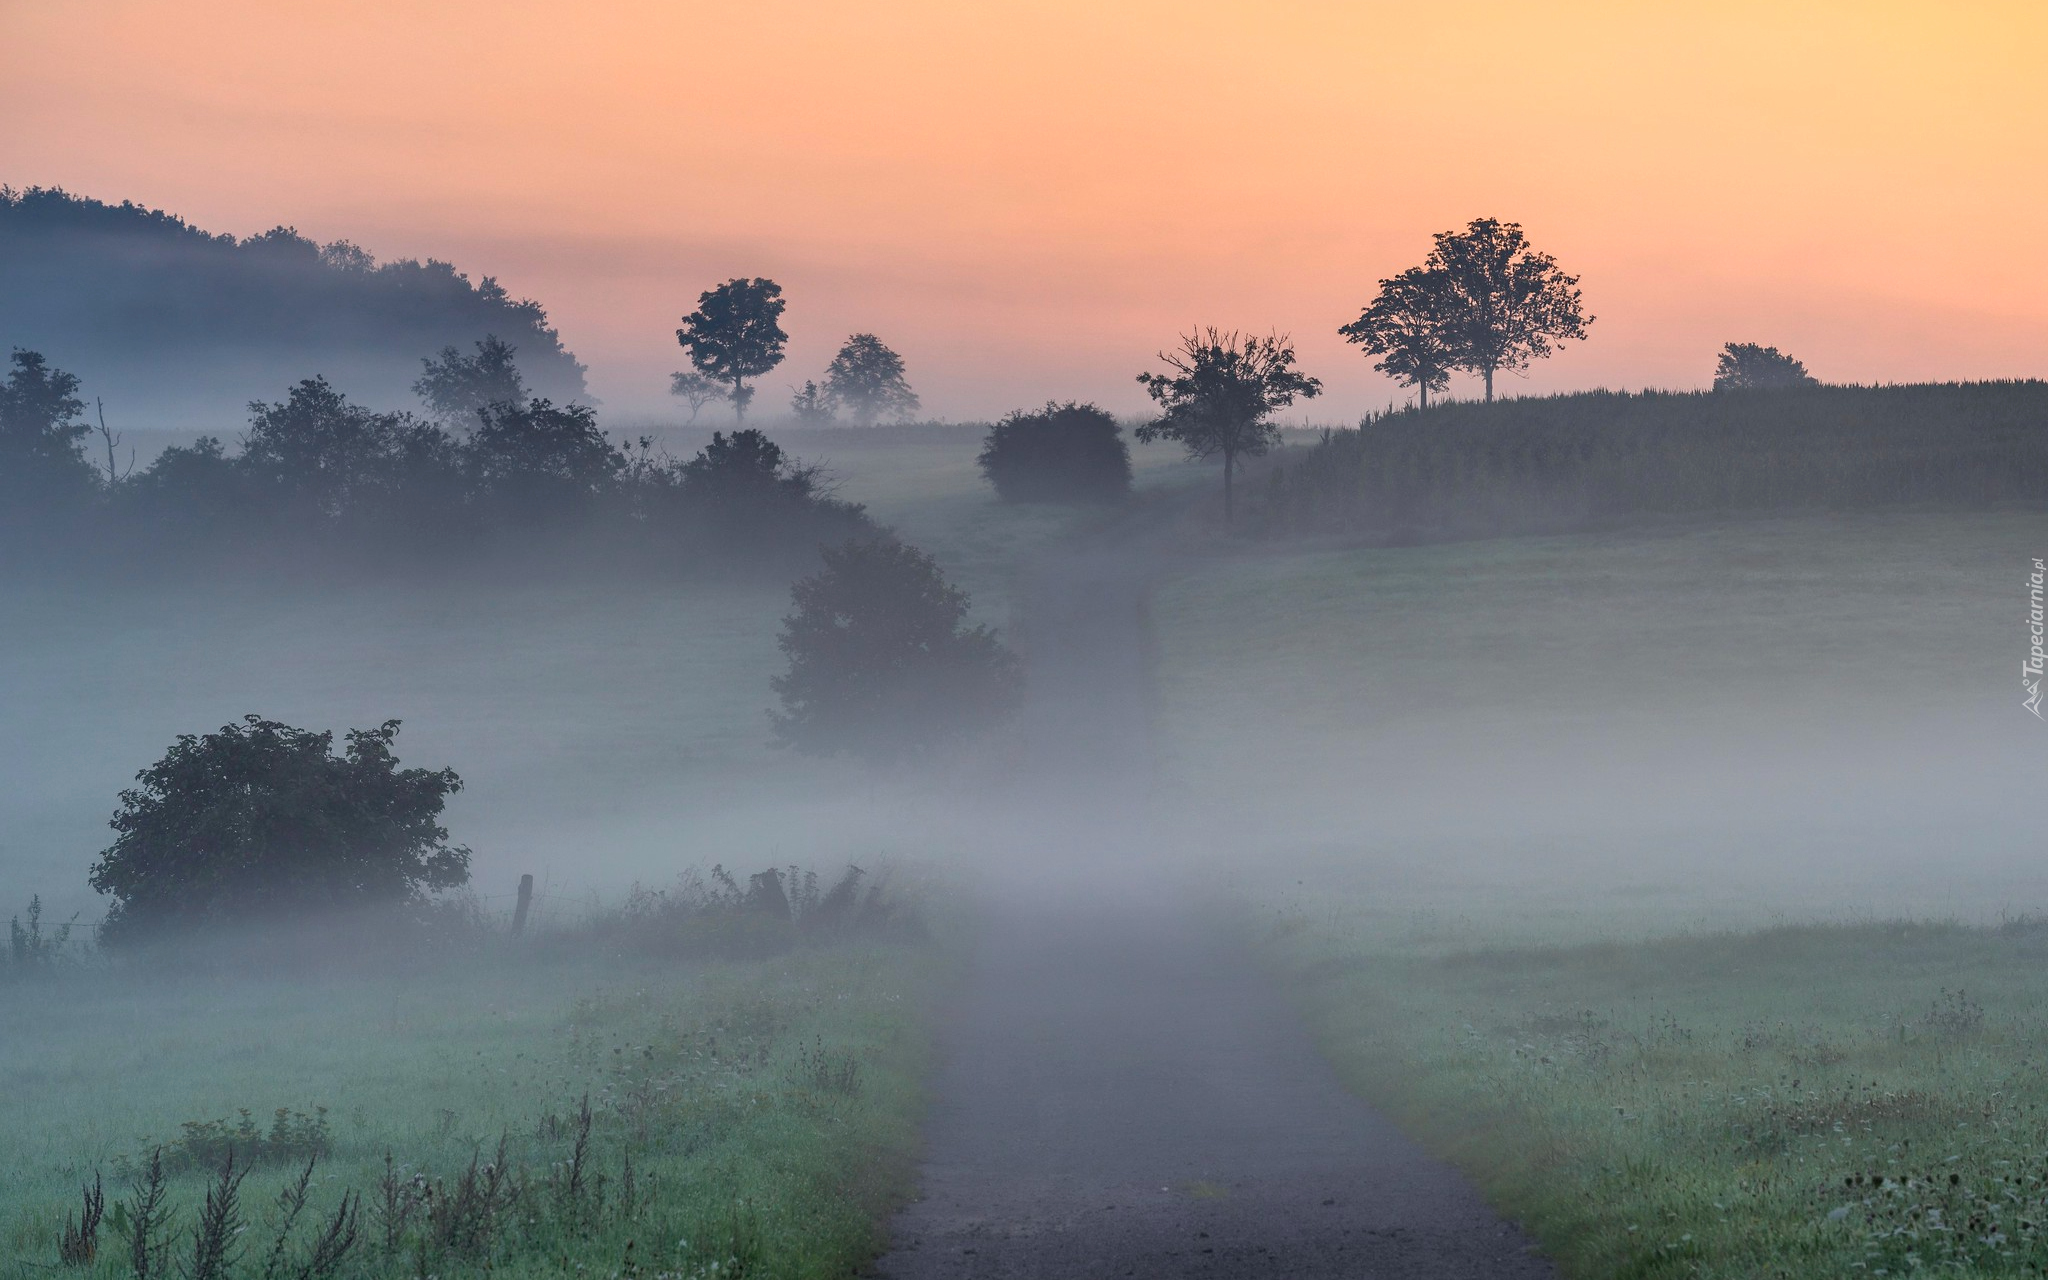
<point>1681,885</point>
<point>1799,1100</point>
<point>768,1108</point>
<point>1819,687</point>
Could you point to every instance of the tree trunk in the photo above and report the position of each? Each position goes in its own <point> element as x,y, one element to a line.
<point>1229,465</point>
<point>1489,384</point>
<point>739,401</point>
<point>1423,389</point>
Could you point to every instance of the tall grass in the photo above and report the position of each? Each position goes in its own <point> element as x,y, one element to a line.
<point>1573,461</point>
<point>657,1088</point>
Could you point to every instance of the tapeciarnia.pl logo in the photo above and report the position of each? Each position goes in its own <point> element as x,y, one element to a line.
<point>2030,670</point>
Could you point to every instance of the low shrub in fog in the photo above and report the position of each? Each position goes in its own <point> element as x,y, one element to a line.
<point>715,916</point>
<point>1061,453</point>
<point>882,662</point>
<point>261,821</point>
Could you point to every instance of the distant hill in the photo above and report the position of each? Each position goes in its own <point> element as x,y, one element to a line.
<point>175,326</point>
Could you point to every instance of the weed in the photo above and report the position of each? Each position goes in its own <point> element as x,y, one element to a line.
<point>215,1246</point>
<point>148,1221</point>
<point>820,1070</point>
<point>81,1243</point>
<point>1954,1015</point>
<point>291,1137</point>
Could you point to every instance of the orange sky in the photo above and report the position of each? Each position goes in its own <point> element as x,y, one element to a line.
<point>1028,199</point>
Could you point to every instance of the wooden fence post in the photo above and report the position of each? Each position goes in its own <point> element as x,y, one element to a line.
<point>525,901</point>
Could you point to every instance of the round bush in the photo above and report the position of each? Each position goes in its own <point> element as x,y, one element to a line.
<point>1062,453</point>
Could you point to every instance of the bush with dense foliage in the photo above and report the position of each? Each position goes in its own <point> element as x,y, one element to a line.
<point>882,662</point>
<point>261,822</point>
<point>1061,453</point>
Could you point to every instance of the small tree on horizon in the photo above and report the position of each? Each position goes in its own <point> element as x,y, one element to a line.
<point>736,334</point>
<point>882,662</point>
<point>695,389</point>
<point>456,387</point>
<point>262,822</point>
<point>1219,394</point>
<point>812,406</point>
<point>1750,366</point>
<point>1404,327</point>
<point>1497,303</point>
<point>867,378</point>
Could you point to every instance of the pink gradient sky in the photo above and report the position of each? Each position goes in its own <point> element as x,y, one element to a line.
<point>1028,199</point>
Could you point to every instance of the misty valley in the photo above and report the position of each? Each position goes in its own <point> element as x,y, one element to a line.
<point>770,824</point>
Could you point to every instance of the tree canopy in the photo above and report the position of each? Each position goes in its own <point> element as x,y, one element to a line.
<point>456,387</point>
<point>261,821</point>
<point>735,334</point>
<point>866,378</point>
<point>1748,366</point>
<point>1219,394</point>
<point>318,474</point>
<point>1498,303</point>
<point>42,451</point>
<point>1406,328</point>
<point>881,660</point>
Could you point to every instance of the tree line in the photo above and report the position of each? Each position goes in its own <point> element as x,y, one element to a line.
<point>150,306</point>
<point>487,467</point>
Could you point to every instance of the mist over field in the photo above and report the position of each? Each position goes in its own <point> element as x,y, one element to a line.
<point>795,645</point>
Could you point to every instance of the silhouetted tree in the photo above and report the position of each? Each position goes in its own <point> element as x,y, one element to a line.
<point>1062,453</point>
<point>867,378</point>
<point>812,406</point>
<point>539,461</point>
<point>695,389</point>
<point>261,821</point>
<point>1499,304</point>
<point>43,466</point>
<point>735,334</point>
<point>1219,394</point>
<point>881,661</point>
<point>455,387</point>
<point>1404,327</point>
<point>1747,366</point>
<point>316,451</point>
<point>191,489</point>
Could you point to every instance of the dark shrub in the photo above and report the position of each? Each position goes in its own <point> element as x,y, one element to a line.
<point>1062,453</point>
<point>261,821</point>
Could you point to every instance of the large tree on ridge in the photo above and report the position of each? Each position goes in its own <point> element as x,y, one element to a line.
<point>1500,304</point>
<point>735,334</point>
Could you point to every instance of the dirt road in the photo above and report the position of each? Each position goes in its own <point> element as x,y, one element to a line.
<point>1122,1093</point>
